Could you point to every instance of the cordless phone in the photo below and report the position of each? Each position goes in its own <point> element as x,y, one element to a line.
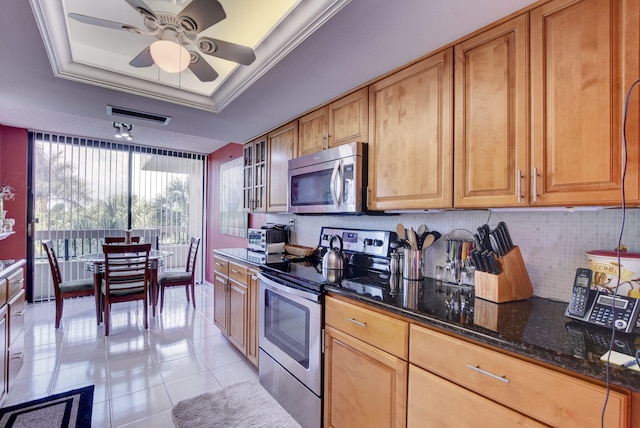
<point>581,295</point>
<point>601,308</point>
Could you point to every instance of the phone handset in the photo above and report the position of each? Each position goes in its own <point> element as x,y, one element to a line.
<point>581,295</point>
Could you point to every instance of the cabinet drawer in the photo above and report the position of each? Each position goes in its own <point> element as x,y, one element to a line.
<point>541,393</point>
<point>389,334</point>
<point>221,265</point>
<point>238,272</point>
<point>17,306</point>
<point>443,403</point>
<point>15,283</point>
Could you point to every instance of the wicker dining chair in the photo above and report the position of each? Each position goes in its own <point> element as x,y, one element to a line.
<point>126,277</point>
<point>65,289</point>
<point>181,278</point>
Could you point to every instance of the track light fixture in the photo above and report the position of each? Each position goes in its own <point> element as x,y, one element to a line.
<point>123,130</point>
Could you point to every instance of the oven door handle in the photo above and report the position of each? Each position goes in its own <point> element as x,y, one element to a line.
<point>337,184</point>
<point>284,289</point>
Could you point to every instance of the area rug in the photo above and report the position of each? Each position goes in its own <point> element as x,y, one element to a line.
<point>70,409</point>
<point>246,404</point>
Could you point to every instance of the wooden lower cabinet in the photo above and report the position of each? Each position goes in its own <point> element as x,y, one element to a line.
<point>434,401</point>
<point>365,367</point>
<point>364,386</point>
<point>542,394</point>
<point>238,309</point>
<point>252,317</point>
<point>235,305</point>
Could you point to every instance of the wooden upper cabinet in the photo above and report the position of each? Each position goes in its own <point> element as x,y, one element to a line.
<point>255,175</point>
<point>492,117</point>
<point>282,144</point>
<point>584,58</point>
<point>411,136</point>
<point>313,132</point>
<point>349,118</point>
<point>341,122</point>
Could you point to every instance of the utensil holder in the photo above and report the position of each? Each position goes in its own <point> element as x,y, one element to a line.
<point>413,264</point>
<point>513,283</point>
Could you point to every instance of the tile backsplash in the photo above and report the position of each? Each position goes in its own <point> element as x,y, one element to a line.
<point>553,242</point>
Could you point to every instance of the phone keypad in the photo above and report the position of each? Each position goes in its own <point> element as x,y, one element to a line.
<point>603,315</point>
<point>578,300</point>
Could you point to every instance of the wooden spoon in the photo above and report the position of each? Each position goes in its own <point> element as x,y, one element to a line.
<point>422,229</point>
<point>401,231</point>
<point>428,240</point>
<point>413,240</point>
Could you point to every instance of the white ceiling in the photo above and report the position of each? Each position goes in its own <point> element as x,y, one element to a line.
<point>364,39</point>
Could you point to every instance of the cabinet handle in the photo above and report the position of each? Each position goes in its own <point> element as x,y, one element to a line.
<point>360,323</point>
<point>484,372</point>
<point>535,184</point>
<point>519,185</point>
<point>19,314</point>
<point>17,356</point>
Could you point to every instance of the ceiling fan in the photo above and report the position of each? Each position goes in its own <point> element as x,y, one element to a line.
<point>178,45</point>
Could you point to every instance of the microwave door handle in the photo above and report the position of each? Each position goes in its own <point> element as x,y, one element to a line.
<point>336,185</point>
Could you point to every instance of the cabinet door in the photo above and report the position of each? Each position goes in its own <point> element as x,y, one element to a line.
<point>238,309</point>
<point>584,58</point>
<point>255,177</point>
<point>492,117</point>
<point>282,144</point>
<point>364,386</point>
<point>220,284</point>
<point>252,318</point>
<point>444,404</point>
<point>349,119</point>
<point>411,136</point>
<point>15,360</point>
<point>313,132</point>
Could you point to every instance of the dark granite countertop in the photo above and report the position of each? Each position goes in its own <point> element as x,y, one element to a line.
<point>535,328</point>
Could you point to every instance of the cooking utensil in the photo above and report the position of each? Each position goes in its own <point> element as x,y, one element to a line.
<point>334,257</point>
<point>422,229</point>
<point>401,231</point>
<point>413,240</point>
<point>428,240</point>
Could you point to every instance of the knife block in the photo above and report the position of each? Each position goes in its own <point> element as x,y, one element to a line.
<point>511,284</point>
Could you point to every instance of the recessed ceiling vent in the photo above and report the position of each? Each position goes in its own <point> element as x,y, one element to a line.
<point>138,115</point>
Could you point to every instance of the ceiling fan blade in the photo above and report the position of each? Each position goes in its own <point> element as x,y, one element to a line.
<point>201,14</point>
<point>143,59</point>
<point>142,8</point>
<point>104,23</point>
<point>201,68</point>
<point>226,50</point>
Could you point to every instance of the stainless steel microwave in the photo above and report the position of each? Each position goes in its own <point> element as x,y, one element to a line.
<point>329,181</point>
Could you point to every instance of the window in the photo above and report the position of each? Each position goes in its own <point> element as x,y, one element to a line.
<point>85,190</point>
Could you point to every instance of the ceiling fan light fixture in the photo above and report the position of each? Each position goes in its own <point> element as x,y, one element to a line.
<point>170,56</point>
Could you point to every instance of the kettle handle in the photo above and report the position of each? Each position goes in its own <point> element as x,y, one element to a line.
<point>331,242</point>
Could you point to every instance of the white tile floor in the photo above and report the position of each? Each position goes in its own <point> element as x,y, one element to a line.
<point>138,375</point>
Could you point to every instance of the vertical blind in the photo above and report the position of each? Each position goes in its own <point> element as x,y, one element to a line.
<point>86,189</point>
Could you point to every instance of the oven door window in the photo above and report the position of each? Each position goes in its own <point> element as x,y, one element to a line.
<point>286,325</point>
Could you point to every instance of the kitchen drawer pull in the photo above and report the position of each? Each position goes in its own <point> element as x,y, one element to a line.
<point>17,356</point>
<point>234,271</point>
<point>484,372</point>
<point>19,314</point>
<point>519,184</point>
<point>360,323</point>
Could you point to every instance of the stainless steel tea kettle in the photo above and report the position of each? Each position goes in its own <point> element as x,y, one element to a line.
<point>334,258</point>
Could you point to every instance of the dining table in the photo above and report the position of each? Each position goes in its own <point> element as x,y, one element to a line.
<point>95,263</point>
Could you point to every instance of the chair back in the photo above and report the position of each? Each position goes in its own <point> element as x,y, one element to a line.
<point>126,267</point>
<point>53,264</point>
<point>120,239</point>
<point>193,254</point>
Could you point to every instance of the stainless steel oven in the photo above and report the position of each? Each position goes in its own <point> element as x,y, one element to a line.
<point>290,340</point>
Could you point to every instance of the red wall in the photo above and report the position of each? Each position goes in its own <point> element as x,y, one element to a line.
<point>14,149</point>
<point>215,239</point>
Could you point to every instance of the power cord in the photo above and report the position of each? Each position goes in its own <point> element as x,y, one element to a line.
<point>618,249</point>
